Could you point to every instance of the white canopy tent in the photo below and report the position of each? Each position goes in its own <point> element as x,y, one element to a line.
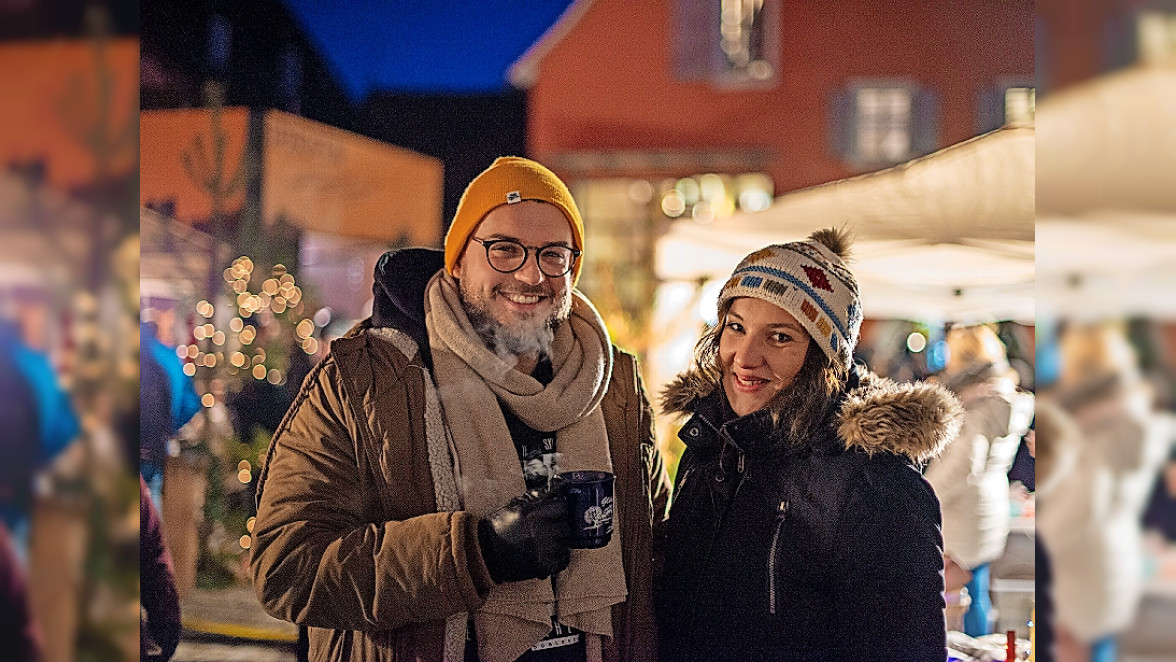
<point>946,237</point>
<point>1106,197</point>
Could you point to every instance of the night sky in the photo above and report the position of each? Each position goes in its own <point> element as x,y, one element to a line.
<point>424,45</point>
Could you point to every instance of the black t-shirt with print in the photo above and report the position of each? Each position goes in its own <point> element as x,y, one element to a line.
<point>536,449</point>
<point>537,454</point>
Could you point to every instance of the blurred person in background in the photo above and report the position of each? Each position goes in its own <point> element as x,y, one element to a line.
<point>394,518</point>
<point>39,422</point>
<point>259,405</point>
<point>19,634</point>
<point>159,633</point>
<point>167,401</point>
<point>299,368</point>
<point>801,527</point>
<point>1055,445</point>
<point>971,476</point>
<point>1090,520</point>
<point>1161,509</point>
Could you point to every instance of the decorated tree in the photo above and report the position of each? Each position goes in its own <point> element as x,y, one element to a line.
<point>248,355</point>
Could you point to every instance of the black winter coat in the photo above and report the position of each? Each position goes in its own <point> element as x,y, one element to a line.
<point>824,548</point>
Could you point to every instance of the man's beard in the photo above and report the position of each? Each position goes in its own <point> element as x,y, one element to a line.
<point>521,336</point>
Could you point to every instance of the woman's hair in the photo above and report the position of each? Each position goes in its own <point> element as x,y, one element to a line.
<point>975,345</point>
<point>1094,352</point>
<point>972,348</point>
<point>806,401</point>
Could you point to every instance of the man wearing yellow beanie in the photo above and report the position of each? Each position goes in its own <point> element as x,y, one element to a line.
<point>408,506</point>
<point>511,180</point>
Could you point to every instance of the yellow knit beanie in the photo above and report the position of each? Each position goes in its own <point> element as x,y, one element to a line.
<point>509,180</point>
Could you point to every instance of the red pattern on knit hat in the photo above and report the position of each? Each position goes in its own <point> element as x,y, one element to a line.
<point>818,278</point>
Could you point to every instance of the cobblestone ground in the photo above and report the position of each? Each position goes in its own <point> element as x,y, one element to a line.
<point>206,651</point>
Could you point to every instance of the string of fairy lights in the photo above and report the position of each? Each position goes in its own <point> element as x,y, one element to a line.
<point>233,349</point>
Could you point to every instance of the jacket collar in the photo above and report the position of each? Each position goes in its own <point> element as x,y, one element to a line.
<point>914,420</point>
<point>713,424</point>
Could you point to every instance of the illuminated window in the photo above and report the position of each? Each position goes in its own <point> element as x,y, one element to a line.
<point>707,197</point>
<point>1019,104</point>
<point>1155,34</point>
<point>628,215</point>
<point>726,42</point>
<point>883,123</point>
<point>1012,100</point>
<point>742,38</point>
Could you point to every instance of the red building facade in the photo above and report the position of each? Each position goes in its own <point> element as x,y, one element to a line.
<point>626,78</point>
<point>691,110</point>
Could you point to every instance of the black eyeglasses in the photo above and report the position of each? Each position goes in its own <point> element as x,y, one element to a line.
<point>508,256</point>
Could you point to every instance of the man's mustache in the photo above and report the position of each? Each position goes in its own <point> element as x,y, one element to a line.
<point>541,290</point>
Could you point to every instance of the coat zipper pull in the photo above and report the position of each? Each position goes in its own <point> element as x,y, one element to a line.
<point>740,467</point>
<point>781,513</point>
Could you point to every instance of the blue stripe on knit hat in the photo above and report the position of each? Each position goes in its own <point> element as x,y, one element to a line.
<point>804,287</point>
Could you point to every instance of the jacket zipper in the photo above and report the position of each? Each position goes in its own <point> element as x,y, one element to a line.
<point>685,478</point>
<point>781,513</point>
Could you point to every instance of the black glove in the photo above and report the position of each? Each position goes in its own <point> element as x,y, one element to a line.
<point>526,538</point>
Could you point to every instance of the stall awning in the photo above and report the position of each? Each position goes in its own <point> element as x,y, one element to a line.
<point>1106,202</point>
<point>948,236</point>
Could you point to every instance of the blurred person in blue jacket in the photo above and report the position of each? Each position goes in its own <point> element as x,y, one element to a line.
<point>167,401</point>
<point>39,421</point>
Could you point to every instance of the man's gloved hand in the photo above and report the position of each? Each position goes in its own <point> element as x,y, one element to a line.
<point>526,538</point>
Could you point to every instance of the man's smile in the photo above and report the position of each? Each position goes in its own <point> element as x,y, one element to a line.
<point>522,299</point>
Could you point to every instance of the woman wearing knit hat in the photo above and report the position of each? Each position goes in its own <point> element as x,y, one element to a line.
<point>801,528</point>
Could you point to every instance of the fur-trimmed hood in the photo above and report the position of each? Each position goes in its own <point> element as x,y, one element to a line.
<point>916,420</point>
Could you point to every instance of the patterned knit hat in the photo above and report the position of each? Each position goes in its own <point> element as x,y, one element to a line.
<point>510,180</point>
<point>810,281</point>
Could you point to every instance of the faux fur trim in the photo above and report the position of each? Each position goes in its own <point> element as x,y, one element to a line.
<point>683,392</point>
<point>916,420</point>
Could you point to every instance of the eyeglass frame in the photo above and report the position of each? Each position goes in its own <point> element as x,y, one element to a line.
<point>487,243</point>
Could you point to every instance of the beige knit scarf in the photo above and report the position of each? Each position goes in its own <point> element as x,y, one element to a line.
<point>471,381</point>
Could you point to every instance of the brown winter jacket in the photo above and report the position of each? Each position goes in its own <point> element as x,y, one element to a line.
<point>348,541</point>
